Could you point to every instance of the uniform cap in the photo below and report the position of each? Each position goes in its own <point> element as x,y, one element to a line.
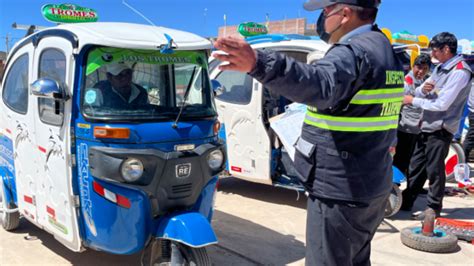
<point>312,5</point>
<point>116,68</point>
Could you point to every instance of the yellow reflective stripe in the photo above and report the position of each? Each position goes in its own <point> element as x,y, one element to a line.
<point>376,101</point>
<point>352,129</point>
<point>380,91</point>
<point>352,124</point>
<point>379,96</point>
<point>353,119</point>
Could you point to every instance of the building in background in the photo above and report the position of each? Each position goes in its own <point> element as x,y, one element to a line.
<point>287,26</point>
<point>3,59</point>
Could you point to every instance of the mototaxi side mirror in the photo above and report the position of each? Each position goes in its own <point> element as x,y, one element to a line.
<point>217,87</point>
<point>48,88</point>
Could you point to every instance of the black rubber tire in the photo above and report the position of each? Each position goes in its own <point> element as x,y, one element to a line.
<point>195,256</point>
<point>9,221</point>
<point>411,237</point>
<point>191,256</point>
<point>461,158</point>
<point>394,201</point>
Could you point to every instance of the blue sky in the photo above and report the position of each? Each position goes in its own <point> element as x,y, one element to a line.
<point>205,16</point>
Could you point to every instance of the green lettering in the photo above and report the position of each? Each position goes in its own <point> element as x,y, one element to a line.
<point>390,109</point>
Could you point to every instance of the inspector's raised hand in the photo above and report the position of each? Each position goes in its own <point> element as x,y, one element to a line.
<point>240,56</point>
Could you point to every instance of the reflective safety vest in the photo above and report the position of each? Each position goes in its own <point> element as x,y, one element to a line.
<point>388,100</point>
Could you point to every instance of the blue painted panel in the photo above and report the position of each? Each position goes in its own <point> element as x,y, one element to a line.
<point>107,226</point>
<point>205,203</point>
<point>7,168</point>
<point>278,38</point>
<point>398,177</point>
<point>189,228</point>
<point>152,133</point>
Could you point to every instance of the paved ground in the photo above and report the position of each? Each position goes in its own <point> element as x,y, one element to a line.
<point>256,225</point>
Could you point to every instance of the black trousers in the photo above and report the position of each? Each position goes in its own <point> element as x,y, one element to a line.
<point>405,147</point>
<point>468,144</point>
<point>427,162</point>
<point>339,233</point>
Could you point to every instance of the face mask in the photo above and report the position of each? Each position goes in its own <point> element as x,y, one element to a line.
<point>320,29</point>
<point>323,35</point>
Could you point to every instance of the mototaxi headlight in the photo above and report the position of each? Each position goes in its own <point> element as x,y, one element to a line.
<point>132,169</point>
<point>215,159</point>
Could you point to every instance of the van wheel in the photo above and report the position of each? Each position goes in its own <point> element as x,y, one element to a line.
<point>394,201</point>
<point>10,221</point>
<point>441,242</point>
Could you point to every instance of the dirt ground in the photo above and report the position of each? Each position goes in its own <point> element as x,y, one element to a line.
<point>256,225</point>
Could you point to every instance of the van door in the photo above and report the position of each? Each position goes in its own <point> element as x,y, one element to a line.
<point>56,200</point>
<point>240,111</point>
<point>17,122</point>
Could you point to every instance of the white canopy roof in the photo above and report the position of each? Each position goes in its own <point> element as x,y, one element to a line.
<point>136,36</point>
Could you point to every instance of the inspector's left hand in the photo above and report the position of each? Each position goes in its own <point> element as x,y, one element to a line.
<point>240,55</point>
<point>407,99</point>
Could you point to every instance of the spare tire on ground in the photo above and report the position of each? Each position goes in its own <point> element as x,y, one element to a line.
<point>441,242</point>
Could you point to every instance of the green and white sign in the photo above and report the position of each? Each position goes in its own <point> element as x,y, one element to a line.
<point>250,29</point>
<point>100,57</point>
<point>68,13</point>
<point>405,37</point>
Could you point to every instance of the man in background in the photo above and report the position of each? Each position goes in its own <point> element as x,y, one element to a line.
<point>442,98</point>
<point>409,125</point>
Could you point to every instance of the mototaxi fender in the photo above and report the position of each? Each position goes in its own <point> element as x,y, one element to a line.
<point>189,228</point>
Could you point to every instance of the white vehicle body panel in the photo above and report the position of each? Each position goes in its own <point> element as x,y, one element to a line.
<point>249,147</point>
<point>56,209</point>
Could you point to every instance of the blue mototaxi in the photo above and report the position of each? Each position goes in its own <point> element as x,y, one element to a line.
<point>119,178</point>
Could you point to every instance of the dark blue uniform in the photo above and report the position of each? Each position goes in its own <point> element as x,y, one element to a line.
<point>354,95</point>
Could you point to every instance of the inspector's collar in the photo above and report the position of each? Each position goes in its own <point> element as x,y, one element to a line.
<point>362,29</point>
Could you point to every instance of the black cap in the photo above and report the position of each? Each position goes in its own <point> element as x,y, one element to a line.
<point>312,5</point>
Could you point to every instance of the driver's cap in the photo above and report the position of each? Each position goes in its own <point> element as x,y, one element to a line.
<point>312,5</point>
<point>117,68</point>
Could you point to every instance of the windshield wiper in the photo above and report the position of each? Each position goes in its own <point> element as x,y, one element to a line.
<point>186,94</point>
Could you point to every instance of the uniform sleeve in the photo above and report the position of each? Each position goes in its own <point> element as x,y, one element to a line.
<point>447,94</point>
<point>323,84</point>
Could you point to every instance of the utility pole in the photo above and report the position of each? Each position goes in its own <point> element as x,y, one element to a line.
<point>205,22</point>
<point>7,40</point>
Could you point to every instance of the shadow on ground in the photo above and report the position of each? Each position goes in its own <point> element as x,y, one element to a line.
<point>262,192</point>
<point>255,242</point>
<point>420,205</point>
<point>88,257</point>
<point>240,241</point>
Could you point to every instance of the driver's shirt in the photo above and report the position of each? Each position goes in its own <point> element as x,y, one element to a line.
<point>133,95</point>
<point>113,99</point>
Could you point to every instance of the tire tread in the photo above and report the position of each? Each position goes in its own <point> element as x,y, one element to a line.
<point>444,244</point>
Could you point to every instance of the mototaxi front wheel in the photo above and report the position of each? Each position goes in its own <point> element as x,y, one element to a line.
<point>9,220</point>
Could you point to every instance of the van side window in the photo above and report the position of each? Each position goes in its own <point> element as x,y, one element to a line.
<point>237,87</point>
<point>15,91</point>
<point>53,66</point>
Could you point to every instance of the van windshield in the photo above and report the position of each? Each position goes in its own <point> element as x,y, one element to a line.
<point>126,84</point>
